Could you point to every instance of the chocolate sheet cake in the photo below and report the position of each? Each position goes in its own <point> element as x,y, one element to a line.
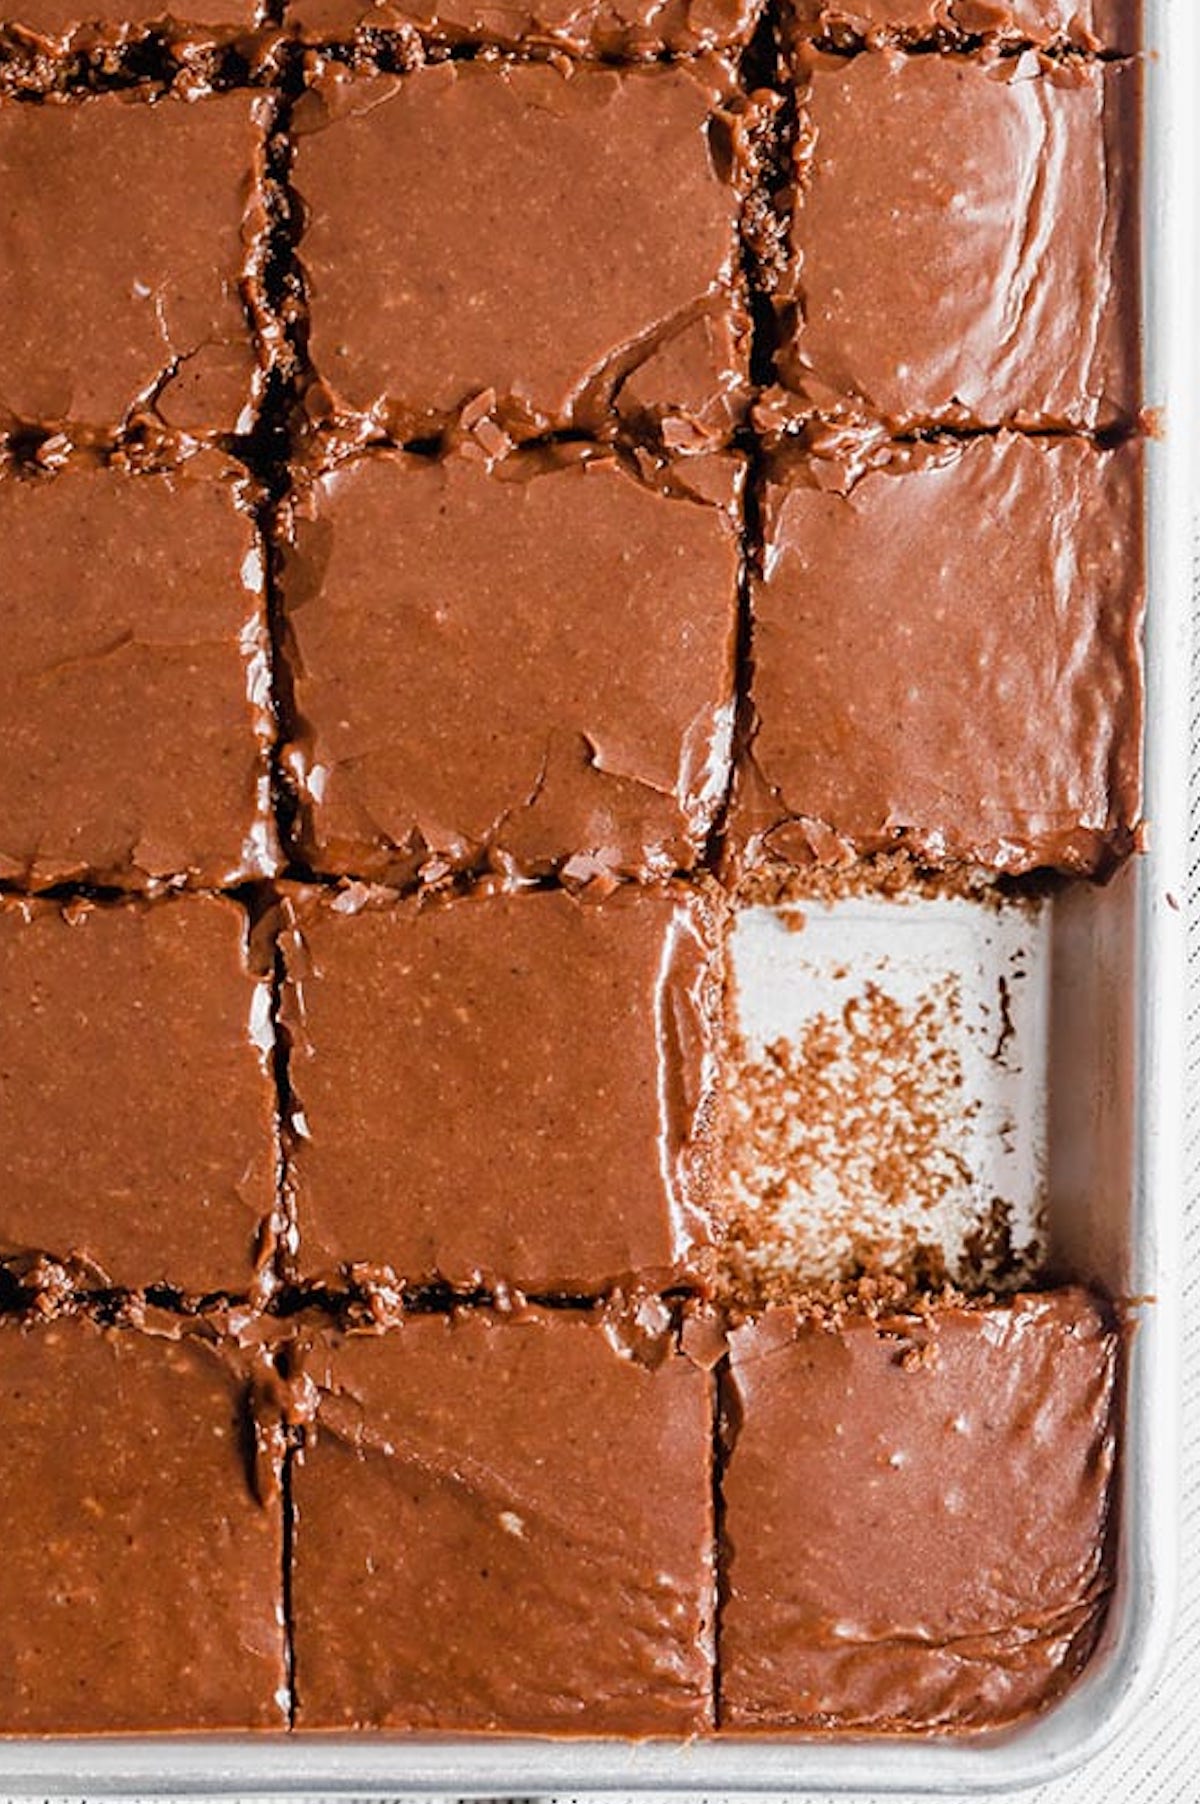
<point>605,198</point>
<point>138,1123</point>
<point>944,207</point>
<point>931,1549</point>
<point>460,1070</point>
<point>904,670</point>
<point>487,490</point>
<point>459,1515</point>
<point>134,618</point>
<point>133,236</point>
<point>143,1544</point>
<point>582,712</point>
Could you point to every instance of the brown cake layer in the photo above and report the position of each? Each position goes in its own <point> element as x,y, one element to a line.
<point>135,689</point>
<point>602,197</point>
<point>915,1514</point>
<point>504,1524</point>
<point>562,637</point>
<point>515,1088</point>
<point>964,241</point>
<point>946,658</point>
<point>144,1544</point>
<point>137,1103</point>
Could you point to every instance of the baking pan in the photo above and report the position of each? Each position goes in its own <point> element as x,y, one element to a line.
<point>1097,1096</point>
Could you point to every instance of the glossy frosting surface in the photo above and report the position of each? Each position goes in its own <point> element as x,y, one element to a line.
<point>963,241</point>
<point>137,1107</point>
<point>593,193</point>
<point>915,1514</point>
<point>946,657</point>
<point>59,26</point>
<point>512,1087</point>
<point>635,28</point>
<point>129,228</point>
<point>147,1557</point>
<point>506,1525</point>
<point>135,685</point>
<point>562,636</point>
<point>1083,24</point>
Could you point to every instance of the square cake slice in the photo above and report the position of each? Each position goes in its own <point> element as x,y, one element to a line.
<point>523,238</point>
<point>133,233</point>
<point>947,659</point>
<point>143,1552</point>
<point>137,1103</point>
<point>916,1514</point>
<point>504,1524</point>
<point>509,669</point>
<point>1088,25</point>
<point>510,1089</point>
<point>135,702</point>
<point>963,241</point>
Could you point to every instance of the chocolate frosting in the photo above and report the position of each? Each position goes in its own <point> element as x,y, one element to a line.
<point>479,325</point>
<point>964,241</point>
<point>513,1088</point>
<point>63,27</point>
<point>965,695</point>
<point>504,1524</point>
<point>137,1126</point>
<point>130,228</point>
<point>606,198</point>
<point>562,635</point>
<point>612,28</point>
<point>1083,24</point>
<point>135,700</point>
<point>148,1571</point>
<point>915,1514</point>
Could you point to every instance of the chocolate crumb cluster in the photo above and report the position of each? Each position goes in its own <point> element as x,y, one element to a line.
<point>486,492</point>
